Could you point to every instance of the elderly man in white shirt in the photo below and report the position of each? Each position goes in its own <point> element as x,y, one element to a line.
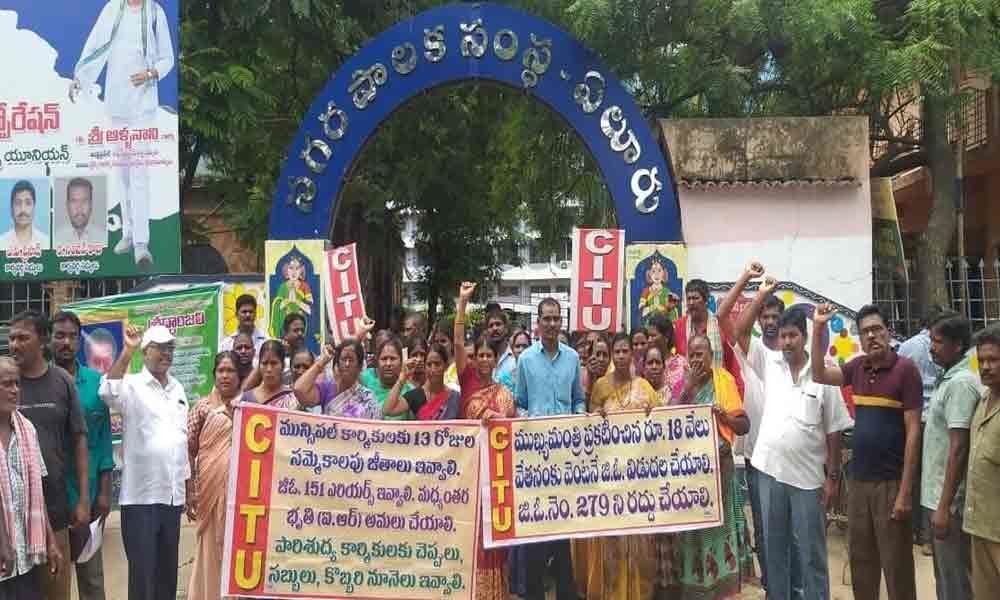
<point>799,435</point>
<point>131,37</point>
<point>154,412</point>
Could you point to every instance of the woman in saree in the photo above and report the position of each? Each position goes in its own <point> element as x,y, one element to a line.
<point>598,364</point>
<point>442,335</point>
<point>622,567</point>
<point>488,400</point>
<point>431,399</point>
<point>388,364</point>
<point>482,399</point>
<point>210,429</point>
<point>664,369</point>
<point>714,563</point>
<point>416,352</point>
<point>585,553</point>
<point>271,391</point>
<point>640,341</point>
<point>519,342</point>
<point>300,362</point>
<point>345,397</point>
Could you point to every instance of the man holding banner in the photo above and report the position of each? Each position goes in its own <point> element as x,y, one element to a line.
<point>548,376</point>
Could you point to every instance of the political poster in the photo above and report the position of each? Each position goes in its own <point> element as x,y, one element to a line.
<point>326,507</point>
<point>887,240</point>
<point>656,276</point>
<point>88,139</point>
<point>192,314</point>
<point>345,302</point>
<point>231,292</point>
<point>588,476</point>
<point>292,273</point>
<point>597,281</point>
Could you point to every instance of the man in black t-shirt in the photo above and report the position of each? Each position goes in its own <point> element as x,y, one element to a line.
<point>49,401</point>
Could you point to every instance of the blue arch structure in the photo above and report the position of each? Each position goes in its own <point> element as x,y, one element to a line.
<point>460,42</point>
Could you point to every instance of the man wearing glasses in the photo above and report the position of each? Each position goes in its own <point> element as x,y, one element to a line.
<point>888,398</point>
<point>154,412</point>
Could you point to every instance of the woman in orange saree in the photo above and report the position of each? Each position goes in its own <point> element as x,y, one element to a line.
<point>586,553</point>
<point>483,399</point>
<point>622,567</point>
<point>490,401</point>
<point>210,428</point>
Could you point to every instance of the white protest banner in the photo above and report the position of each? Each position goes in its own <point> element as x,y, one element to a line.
<point>584,476</point>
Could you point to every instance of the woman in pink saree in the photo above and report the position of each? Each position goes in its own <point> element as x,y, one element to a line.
<point>210,428</point>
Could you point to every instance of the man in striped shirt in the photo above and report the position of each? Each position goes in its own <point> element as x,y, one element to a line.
<point>888,398</point>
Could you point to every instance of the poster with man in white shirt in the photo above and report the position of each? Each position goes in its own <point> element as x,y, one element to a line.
<point>797,454</point>
<point>91,94</point>
<point>80,213</point>
<point>132,39</point>
<point>27,222</point>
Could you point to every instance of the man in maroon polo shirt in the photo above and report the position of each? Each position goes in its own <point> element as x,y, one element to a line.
<point>886,444</point>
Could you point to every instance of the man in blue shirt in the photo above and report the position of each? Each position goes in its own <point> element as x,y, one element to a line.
<point>65,344</point>
<point>548,383</point>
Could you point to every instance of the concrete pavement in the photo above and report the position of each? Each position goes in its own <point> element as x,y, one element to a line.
<point>116,578</point>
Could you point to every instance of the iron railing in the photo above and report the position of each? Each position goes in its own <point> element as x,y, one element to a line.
<point>897,297</point>
<point>21,296</point>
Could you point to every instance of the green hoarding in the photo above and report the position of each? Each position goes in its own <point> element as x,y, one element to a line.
<point>192,314</point>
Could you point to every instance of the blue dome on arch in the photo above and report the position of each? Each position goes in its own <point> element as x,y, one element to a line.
<point>461,42</point>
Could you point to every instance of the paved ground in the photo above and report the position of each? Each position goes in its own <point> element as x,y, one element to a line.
<point>115,578</point>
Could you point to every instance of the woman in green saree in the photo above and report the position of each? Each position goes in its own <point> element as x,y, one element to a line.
<point>714,563</point>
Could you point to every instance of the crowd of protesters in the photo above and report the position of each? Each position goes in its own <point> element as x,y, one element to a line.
<point>922,426</point>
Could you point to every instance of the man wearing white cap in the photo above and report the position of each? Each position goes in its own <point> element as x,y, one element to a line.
<point>154,412</point>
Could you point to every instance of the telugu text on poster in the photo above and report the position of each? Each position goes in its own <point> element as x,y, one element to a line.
<point>324,507</point>
<point>587,476</point>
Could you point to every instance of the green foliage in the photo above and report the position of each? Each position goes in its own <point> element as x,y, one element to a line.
<point>474,162</point>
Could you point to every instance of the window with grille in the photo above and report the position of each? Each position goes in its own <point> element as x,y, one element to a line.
<point>973,114</point>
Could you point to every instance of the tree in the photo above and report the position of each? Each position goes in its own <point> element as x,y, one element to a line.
<point>943,41</point>
<point>433,160</point>
<point>249,70</point>
<point>256,66</point>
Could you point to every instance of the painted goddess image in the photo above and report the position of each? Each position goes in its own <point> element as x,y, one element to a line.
<point>292,296</point>
<point>656,297</point>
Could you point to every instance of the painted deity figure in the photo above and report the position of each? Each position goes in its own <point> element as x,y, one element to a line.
<point>293,296</point>
<point>656,297</point>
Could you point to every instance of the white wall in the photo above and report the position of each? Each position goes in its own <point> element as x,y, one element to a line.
<point>816,236</point>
